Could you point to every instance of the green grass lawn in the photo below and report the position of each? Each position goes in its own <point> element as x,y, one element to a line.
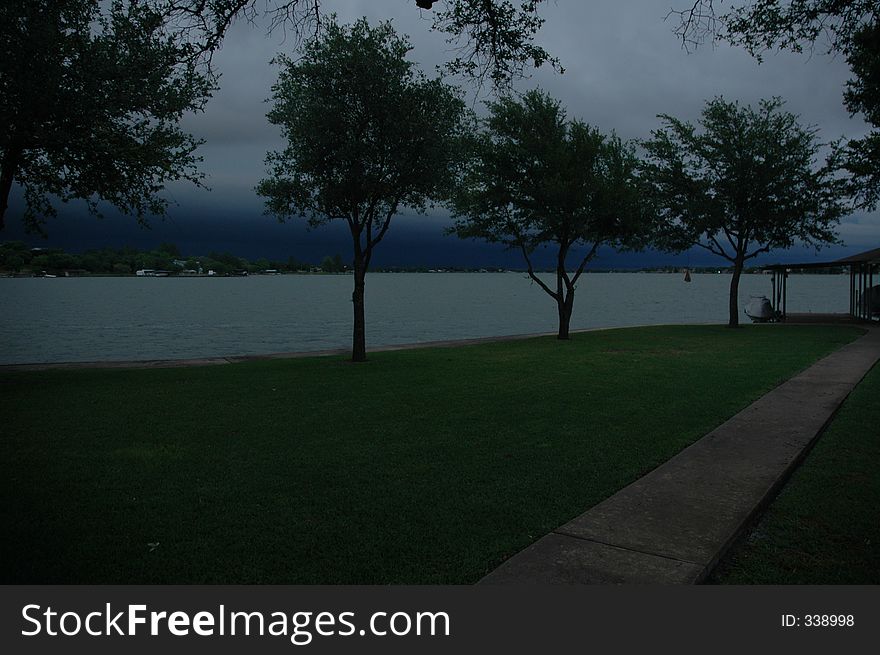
<point>420,466</point>
<point>824,527</point>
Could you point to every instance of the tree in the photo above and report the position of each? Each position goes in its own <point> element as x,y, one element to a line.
<point>90,98</point>
<point>492,38</point>
<point>91,91</point>
<point>227,258</point>
<point>293,264</point>
<point>762,25</point>
<point>848,27</point>
<point>337,263</point>
<point>748,183</point>
<point>367,134</point>
<point>536,179</point>
<point>14,255</point>
<point>169,249</point>
<point>332,264</point>
<point>863,96</point>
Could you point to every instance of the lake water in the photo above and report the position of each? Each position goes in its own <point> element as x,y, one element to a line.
<point>85,319</point>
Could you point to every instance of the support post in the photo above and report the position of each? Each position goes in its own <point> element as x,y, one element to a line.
<point>862,288</point>
<point>852,290</point>
<point>784,292</point>
<point>773,283</point>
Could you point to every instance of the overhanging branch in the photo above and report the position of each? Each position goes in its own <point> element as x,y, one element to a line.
<point>758,252</point>
<point>720,253</point>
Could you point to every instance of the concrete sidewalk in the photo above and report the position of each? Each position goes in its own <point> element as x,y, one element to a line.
<point>674,524</point>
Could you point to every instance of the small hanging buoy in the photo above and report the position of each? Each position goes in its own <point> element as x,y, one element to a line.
<point>687,275</point>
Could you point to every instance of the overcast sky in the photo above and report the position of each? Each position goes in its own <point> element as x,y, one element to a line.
<point>623,66</point>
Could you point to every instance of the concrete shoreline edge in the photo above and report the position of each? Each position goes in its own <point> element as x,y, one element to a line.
<point>299,354</point>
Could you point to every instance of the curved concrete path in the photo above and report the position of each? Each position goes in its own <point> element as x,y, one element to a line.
<point>674,524</point>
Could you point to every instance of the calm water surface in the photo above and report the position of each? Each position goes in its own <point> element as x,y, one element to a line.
<point>85,319</point>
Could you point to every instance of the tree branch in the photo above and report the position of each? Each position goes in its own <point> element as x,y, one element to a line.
<point>758,252</point>
<point>730,240</point>
<point>720,253</point>
<point>584,261</point>
<point>385,224</point>
<point>532,275</point>
<point>695,24</point>
<point>721,250</point>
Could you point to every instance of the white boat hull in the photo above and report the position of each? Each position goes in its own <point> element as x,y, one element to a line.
<point>760,310</point>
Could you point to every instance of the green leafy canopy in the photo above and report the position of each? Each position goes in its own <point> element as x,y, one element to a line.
<point>366,132</point>
<point>748,182</point>
<point>536,177</point>
<point>849,27</point>
<point>91,95</point>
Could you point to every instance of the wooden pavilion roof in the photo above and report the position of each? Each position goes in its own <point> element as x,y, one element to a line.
<point>867,257</point>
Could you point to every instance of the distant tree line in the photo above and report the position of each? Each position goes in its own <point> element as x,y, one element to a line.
<point>18,257</point>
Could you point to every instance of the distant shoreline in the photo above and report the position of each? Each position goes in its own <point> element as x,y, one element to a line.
<point>721,271</point>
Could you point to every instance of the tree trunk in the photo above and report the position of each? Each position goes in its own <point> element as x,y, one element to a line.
<point>359,339</point>
<point>564,293</point>
<point>8,169</point>
<point>564,307</point>
<point>733,320</point>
